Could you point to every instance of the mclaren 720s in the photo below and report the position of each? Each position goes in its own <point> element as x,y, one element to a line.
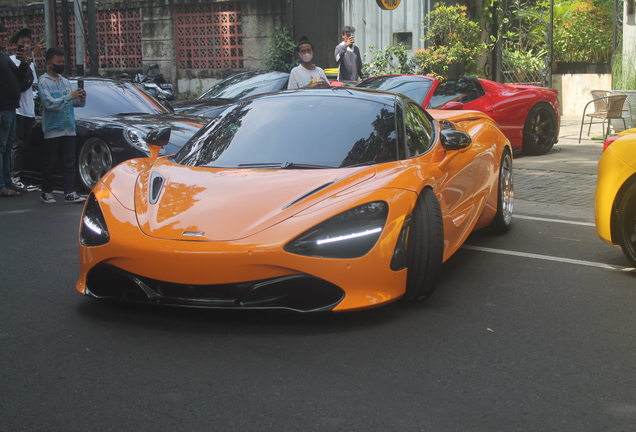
<point>309,200</point>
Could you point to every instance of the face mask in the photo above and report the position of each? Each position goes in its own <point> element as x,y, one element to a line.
<point>58,68</point>
<point>306,57</point>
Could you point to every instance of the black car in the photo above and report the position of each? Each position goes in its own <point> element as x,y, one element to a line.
<point>240,86</point>
<point>111,128</point>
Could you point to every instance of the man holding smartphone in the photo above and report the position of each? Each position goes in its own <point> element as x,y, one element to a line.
<point>12,78</point>
<point>347,56</point>
<point>25,115</point>
<point>58,123</point>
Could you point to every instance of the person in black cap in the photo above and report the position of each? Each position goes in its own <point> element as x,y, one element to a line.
<point>306,74</point>
<point>25,115</point>
<point>348,57</point>
<point>12,80</point>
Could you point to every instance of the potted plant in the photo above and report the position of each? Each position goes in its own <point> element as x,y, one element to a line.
<point>454,42</point>
<point>583,36</point>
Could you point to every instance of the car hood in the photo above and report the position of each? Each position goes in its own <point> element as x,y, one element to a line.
<point>216,204</point>
<point>182,126</point>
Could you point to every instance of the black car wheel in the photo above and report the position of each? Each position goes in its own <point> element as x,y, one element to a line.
<point>627,224</point>
<point>425,247</point>
<point>505,194</point>
<point>540,130</point>
<point>95,160</point>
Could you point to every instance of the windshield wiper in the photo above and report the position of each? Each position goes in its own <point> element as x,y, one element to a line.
<point>261,165</point>
<point>283,165</point>
<point>129,113</point>
<point>293,165</point>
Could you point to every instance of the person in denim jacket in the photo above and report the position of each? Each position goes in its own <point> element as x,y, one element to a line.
<point>58,123</point>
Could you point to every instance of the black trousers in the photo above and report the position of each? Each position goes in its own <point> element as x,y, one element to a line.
<point>64,147</point>
<point>23,129</point>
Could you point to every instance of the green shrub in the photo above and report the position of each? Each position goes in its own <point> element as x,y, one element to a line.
<point>390,60</point>
<point>452,37</point>
<point>280,52</point>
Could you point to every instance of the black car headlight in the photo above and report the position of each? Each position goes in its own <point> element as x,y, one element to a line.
<point>93,230</point>
<point>137,139</point>
<point>350,234</point>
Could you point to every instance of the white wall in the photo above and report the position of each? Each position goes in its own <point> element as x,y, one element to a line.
<point>574,90</point>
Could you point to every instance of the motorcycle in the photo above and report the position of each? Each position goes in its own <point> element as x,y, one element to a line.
<point>155,84</point>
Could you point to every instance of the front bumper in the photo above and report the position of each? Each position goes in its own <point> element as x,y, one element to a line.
<point>300,293</point>
<point>251,273</point>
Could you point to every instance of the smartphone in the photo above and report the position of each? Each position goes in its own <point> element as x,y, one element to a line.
<point>20,48</point>
<point>80,84</point>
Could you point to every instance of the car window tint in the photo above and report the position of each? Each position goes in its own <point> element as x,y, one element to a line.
<point>106,98</point>
<point>462,90</point>
<point>414,87</point>
<point>241,86</point>
<point>419,130</point>
<point>302,129</point>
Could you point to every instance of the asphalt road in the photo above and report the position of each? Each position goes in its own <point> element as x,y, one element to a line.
<point>532,330</point>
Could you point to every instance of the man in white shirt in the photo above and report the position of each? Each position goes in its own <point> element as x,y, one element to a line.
<point>25,115</point>
<point>306,74</point>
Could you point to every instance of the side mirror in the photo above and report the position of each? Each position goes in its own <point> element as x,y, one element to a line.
<point>454,139</point>
<point>125,77</point>
<point>453,106</point>
<point>156,139</point>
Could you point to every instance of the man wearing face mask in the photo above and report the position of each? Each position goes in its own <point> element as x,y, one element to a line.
<point>58,124</point>
<point>306,74</point>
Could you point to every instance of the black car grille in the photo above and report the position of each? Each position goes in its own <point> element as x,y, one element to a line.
<point>300,293</point>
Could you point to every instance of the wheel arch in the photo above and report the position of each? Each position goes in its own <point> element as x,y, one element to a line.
<point>615,206</point>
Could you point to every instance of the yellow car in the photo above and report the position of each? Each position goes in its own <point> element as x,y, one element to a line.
<point>615,198</point>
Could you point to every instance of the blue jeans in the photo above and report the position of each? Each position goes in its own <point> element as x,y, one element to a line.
<point>7,136</point>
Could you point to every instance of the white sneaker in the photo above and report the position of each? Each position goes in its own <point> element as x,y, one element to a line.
<point>73,197</point>
<point>27,187</point>
<point>47,198</point>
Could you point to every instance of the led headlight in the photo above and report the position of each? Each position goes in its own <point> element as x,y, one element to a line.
<point>137,139</point>
<point>350,234</point>
<point>93,231</point>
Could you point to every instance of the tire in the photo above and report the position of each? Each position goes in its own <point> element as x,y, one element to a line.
<point>505,195</point>
<point>95,159</point>
<point>540,130</point>
<point>626,230</point>
<point>425,247</point>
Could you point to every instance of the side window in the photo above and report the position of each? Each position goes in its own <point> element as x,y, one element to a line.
<point>464,90</point>
<point>419,131</point>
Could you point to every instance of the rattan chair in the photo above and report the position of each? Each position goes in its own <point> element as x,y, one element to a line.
<point>606,108</point>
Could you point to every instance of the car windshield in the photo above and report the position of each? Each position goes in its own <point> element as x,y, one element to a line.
<point>107,98</point>
<point>411,86</point>
<point>247,84</point>
<point>295,131</point>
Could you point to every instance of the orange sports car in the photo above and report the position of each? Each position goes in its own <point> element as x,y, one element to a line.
<point>307,200</point>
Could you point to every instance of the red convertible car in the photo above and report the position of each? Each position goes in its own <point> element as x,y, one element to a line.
<point>527,115</point>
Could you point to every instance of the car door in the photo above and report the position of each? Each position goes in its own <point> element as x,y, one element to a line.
<point>460,189</point>
<point>506,105</point>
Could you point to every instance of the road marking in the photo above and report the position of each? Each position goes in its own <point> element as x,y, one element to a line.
<point>563,221</point>
<point>15,211</point>
<point>549,258</point>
